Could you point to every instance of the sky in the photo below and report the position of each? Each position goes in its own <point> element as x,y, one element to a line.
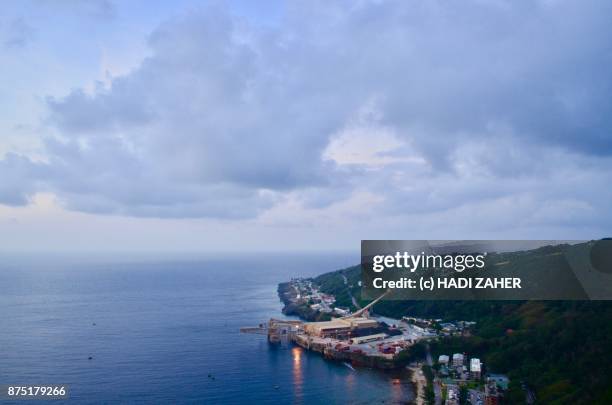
<point>282,126</point>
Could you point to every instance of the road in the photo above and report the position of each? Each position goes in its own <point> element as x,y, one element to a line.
<point>436,382</point>
<point>530,397</point>
<point>323,304</point>
<point>355,303</point>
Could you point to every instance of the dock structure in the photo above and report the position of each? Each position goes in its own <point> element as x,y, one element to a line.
<point>356,338</point>
<point>286,330</point>
<point>283,330</point>
<point>277,330</point>
<point>256,330</point>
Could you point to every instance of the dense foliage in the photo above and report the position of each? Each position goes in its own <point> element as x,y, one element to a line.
<point>560,349</point>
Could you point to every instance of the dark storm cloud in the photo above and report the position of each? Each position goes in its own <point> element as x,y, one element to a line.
<point>225,117</point>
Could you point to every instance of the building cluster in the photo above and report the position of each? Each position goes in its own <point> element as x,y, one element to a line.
<point>457,328</point>
<point>377,345</point>
<point>422,325</point>
<point>457,371</point>
<point>340,337</point>
<point>422,322</point>
<point>452,394</point>
<point>459,368</point>
<point>495,385</point>
<point>339,328</point>
<point>491,396</point>
<point>308,293</point>
<point>375,341</point>
<point>346,336</point>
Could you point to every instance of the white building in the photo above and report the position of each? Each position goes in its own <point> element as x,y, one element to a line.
<point>457,359</point>
<point>475,368</point>
<point>341,312</point>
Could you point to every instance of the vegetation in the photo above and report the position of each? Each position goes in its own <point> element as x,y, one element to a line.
<point>414,353</point>
<point>559,349</point>
<point>430,396</point>
<point>285,292</point>
<point>463,394</point>
<point>334,281</point>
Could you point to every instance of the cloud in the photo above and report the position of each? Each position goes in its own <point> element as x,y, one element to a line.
<point>96,9</point>
<point>17,33</point>
<point>434,107</point>
<point>20,178</point>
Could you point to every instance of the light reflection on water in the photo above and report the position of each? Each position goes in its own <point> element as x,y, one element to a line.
<point>298,379</point>
<point>171,327</point>
<point>396,390</point>
<point>350,382</point>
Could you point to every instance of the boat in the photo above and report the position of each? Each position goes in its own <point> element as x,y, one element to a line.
<point>348,365</point>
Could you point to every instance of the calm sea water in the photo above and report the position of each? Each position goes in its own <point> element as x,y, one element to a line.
<point>156,329</point>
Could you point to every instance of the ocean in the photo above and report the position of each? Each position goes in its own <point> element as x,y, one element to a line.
<point>166,330</point>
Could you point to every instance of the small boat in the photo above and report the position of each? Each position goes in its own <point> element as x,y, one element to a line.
<point>348,365</point>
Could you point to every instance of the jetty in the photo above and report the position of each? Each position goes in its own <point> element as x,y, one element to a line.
<point>356,339</point>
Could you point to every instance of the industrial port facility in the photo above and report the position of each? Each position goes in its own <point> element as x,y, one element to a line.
<point>356,338</point>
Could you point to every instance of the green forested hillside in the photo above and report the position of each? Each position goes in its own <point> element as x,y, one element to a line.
<point>561,349</point>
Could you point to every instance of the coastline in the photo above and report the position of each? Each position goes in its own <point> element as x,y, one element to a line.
<point>288,294</point>
<point>419,383</point>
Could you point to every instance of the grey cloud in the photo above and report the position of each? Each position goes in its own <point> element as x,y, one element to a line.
<point>17,33</point>
<point>225,116</point>
<point>553,188</point>
<point>97,9</point>
<point>20,179</point>
<point>79,114</point>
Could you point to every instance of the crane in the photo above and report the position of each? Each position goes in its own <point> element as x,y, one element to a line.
<point>358,313</point>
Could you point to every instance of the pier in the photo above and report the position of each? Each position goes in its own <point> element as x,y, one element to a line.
<point>277,330</point>
<point>356,338</point>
